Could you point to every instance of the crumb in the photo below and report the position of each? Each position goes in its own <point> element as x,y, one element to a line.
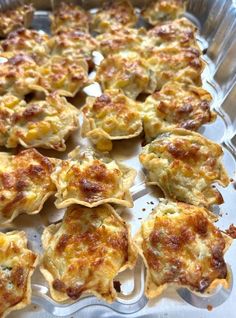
<point>117,286</point>
<point>139,218</point>
<point>231,179</point>
<point>35,235</point>
<point>231,231</point>
<point>152,209</point>
<point>209,307</point>
<point>143,209</point>
<point>226,213</point>
<point>148,202</point>
<point>152,202</point>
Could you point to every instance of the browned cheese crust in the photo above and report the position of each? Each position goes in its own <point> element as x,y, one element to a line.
<point>74,44</point>
<point>18,74</point>
<point>121,39</point>
<point>176,105</point>
<point>128,72</point>
<point>61,74</point>
<point>184,165</point>
<point>25,183</point>
<point>159,11</point>
<point>91,179</point>
<point>35,43</point>
<point>180,33</point>
<point>67,17</point>
<point>15,18</point>
<point>181,246</point>
<point>17,264</point>
<point>85,252</point>
<point>112,116</point>
<point>175,63</point>
<point>114,14</point>
<point>40,123</point>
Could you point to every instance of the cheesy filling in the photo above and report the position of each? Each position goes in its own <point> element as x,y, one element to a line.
<point>25,183</point>
<point>85,252</point>
<point>184,165</point>
<point>90,180</point>
<point>17,264</point>
<point>176,105</point>
<point>181,246</point>
<point>111,116</point>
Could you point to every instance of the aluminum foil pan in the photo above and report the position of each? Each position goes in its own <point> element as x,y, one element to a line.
<point>216,20</point>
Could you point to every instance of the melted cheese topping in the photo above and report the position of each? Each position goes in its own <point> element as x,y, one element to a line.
<point>25,183</point>
<point>17,264</point>
<point>180,245</point>
<point>15,18</point>
<point>114,14</point>
<point>121,39</point>
<point>69,17</point>
<point>184,165</point>
<point>176,105</point>
<point>180,32</point>
<point>161,10</point>
<point>66,75</point>
<point>127,72</point>
<point>112,116</point>
<point>85,252</point>
<point>74,44</point>
<point>35,43</point>
<point>90,180</point>
<point>173,63</point>
<point>40,123</point>
<point>18,74</point>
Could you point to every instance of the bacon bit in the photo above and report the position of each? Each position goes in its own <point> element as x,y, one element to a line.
<point>209,307</point>
<point>117,286</point>
<point>74,292</point>
<point>58,285</point>
<point>231,231</point>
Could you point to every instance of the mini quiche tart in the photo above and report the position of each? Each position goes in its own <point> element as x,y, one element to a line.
<point>85,252</point>
<point>18,74</point>
<point>112,116</point>
<point>89,179</point>
<point>113,14</point>
<point>176,105</point>
<point>13,19</point>
<point>17,264</point>
<point>65,75</point>
<point>161,10</point>
<point>68,17</point>
<point>25,183</point>
<point>181,246</point>
<point>121,39</point>
<point>174,63</point>
<point>40,123</point>
<point>74,44</point>
<point>180,33</point>
<point>127,72</point>
<point>35,43</point>
<point>184,165</point>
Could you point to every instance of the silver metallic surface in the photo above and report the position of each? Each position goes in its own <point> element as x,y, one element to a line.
<point>217,22</point>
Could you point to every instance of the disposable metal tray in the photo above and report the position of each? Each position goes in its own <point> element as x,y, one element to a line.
<point>216,20</point>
